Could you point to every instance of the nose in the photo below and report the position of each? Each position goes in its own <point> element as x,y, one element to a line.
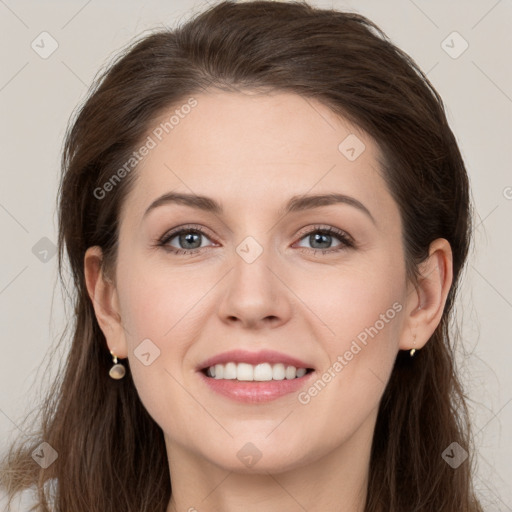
<point>255,294</point>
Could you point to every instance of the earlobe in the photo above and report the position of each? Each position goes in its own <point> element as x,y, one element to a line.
<point>426,304</point>
<point>103,295</point>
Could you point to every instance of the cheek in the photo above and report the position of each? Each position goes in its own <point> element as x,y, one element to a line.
<point>163,311</point>
<point>145,311</point>
<point>156,317</point>
<point>360,303</point>
<point>363,312</point>
<point>155,299</point>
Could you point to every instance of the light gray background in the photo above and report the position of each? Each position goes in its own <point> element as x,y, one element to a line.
<point>38,95</point>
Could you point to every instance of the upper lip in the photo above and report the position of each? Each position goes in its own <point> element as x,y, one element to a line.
<point>262,356</point>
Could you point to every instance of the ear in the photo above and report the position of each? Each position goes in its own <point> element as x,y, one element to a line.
<point>103,294</point>
<point>426,300</point>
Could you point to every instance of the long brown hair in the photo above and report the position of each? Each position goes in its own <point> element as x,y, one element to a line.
<point>112,454</point>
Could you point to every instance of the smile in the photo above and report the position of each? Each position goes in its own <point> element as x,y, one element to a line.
<point>261,372</point>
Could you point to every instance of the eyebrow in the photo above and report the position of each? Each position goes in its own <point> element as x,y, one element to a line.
<point>295,204</point>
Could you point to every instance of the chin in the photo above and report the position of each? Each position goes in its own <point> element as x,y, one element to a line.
<point>248,457</point>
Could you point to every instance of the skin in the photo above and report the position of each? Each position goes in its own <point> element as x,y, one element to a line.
<point>252,152</point>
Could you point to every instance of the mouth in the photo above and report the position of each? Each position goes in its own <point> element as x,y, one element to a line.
<point>256,384</point>
<point>255,377</point>
<point>262,372</point>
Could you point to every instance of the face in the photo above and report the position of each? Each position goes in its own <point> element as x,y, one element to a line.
<point>320,284</point>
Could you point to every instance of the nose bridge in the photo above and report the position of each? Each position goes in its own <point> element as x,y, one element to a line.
<point>254,293</point>
<point>252,265</point>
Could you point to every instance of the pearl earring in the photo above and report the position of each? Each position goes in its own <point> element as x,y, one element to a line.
<point>413,350</point>
<point>117,371</point>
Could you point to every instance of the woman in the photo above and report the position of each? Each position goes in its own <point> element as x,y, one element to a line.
<point>221,359</point>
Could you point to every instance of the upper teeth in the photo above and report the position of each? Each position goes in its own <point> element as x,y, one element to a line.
<point>259,372</point>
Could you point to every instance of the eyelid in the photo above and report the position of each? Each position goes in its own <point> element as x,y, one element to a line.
<point>185,227</point>
<point>347,241</point>
<point>331,230</point>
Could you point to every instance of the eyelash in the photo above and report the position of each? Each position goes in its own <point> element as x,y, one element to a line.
<point>346,240</point>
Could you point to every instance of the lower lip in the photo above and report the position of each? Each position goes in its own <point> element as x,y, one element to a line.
<point>253,391</point>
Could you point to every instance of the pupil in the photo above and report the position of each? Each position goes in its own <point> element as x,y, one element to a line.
<point>188,238</point>
<point>320,235</point>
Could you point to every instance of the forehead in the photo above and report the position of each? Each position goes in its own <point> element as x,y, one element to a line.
<point>255,149</point>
